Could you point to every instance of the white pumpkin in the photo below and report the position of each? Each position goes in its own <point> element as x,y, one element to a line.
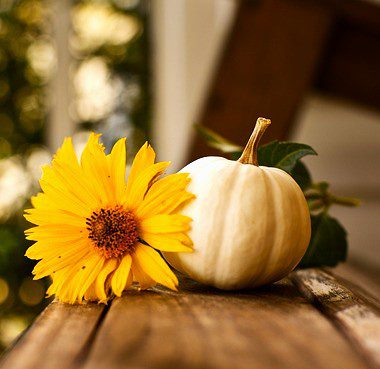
<point>251,224</point>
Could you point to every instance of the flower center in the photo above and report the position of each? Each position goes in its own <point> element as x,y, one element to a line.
<point>114,231</point>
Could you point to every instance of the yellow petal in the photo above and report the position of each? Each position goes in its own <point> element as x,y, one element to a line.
<point>117,166</point>
<point>166,223</point>
<point>183,237</point>
<point>165,195</point>
<point>95,168</point>
<point>47,248</point>
<point>140,185</point>
<point>61,281</point>
<point>120,277</point>
<point>143,159</point>
<point>47,217</point>
<point>61,198</point>
<point>168,204</point>
<point>109,266</point>
<point>141,277</point>
<point>152,264</point>
<point>163,243</point>
<point>72,181</point>
<point>85,276</point>
<point>40,201</point>
<point>72,255</point>
<point>65,165</point>
<point>90,294</point>
<point>90,275</point>
<point>56,233</point>
<point>171,183</point>
<point>66,155</point>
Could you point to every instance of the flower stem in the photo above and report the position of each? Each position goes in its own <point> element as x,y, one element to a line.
<point>249,155</point>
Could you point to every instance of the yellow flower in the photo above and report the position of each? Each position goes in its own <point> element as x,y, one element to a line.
<point>95,233</point>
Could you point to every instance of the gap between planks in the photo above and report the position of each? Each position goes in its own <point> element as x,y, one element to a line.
<point>197,327</point>
<point>357,315</point>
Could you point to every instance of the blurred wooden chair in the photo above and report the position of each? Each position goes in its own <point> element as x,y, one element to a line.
<point>280,49</point>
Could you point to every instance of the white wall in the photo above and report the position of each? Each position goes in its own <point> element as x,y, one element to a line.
<point>347,139</point>
<point>187,40</point>
<point>61,124</point>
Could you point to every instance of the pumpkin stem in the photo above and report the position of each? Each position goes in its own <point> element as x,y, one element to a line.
<point>249,155</point>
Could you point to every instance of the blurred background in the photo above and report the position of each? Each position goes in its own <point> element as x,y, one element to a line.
<point>150,69</point>
<point>66,67</point>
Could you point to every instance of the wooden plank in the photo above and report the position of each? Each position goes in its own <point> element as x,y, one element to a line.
<point>365,13</point>
<point>274,327</point>
<point>356,317</point>
<point>267,67</point>
<point>57,339</point>
<point>350,68</point>
<point>363,280</point>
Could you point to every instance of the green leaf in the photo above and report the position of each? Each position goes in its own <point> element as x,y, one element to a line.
<point>301,175</point>
<point>283,155</point>
<point>218,142</point>
<point>328,244</point>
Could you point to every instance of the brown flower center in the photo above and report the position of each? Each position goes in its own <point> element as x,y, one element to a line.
<point>113,231</point>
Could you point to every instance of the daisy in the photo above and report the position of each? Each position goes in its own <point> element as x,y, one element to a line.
<point>95,233</point>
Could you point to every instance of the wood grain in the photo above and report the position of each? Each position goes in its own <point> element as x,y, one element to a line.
<point>350,67</point>
<point>329,326</point>
<point>274,327</point>
<point>57,339</point>
<point>357,318</point>
<point>364,279</point>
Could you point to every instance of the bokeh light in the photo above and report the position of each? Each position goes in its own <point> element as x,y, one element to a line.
<point>36,158</point>
<point>97,24</point>
<point>11,327</point>
<point>41,56</point>
<point>4,290</point>
<point>31,292</point>
<point>95,92</point>
<point>14,186</point>
<point>108,83</point>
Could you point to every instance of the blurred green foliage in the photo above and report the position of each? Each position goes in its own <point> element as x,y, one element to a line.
<point>22,100</point>
<point>108,37</point>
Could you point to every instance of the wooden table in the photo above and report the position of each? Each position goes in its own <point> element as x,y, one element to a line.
<point>313,319</point>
